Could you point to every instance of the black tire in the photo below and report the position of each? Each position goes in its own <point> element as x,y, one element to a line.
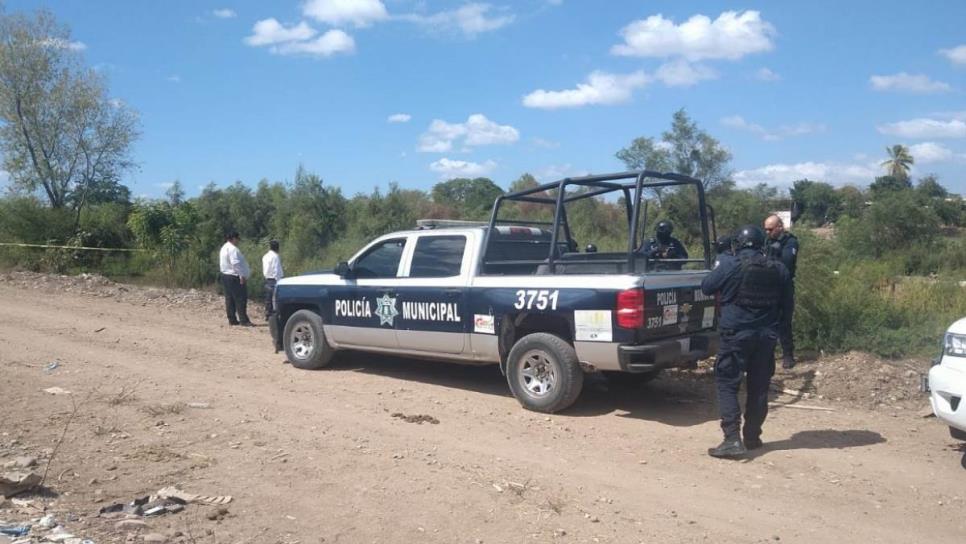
<point>957,433</point>
<point>544,373</point>
<point>630,379</point>
<point>304,341</point>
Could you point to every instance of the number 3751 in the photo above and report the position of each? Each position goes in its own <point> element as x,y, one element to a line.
<point>539,299</point>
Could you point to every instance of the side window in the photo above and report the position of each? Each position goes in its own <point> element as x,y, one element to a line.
<point>437,257</point>
<point>382,261</point>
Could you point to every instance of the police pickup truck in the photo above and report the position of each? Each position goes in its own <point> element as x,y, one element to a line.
<point>515,292</point>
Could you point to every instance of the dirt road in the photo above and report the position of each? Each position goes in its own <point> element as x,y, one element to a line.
<point>315,457</point>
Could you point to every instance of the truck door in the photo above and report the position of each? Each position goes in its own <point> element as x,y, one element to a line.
<point>432,296</point>
<point>365,308</point>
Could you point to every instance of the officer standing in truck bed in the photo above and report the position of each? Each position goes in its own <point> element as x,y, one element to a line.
<point>753,290</point>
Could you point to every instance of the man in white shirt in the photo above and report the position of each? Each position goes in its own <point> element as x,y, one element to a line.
<point>234,273</point>
<point>272,272</point>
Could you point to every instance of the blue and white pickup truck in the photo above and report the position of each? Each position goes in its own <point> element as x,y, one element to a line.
<point>511,292</point>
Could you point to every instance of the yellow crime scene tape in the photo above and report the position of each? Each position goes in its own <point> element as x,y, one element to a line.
<point>13,244</point>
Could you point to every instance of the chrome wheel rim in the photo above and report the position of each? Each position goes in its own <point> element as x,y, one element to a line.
<point>302,340</point>
<point>537,373</point>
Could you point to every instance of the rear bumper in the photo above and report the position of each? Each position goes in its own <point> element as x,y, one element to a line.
<point>273,327</point>
<point>947,389</point>
<point>667,353</point>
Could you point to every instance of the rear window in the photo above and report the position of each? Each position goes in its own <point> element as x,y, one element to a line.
<point>437,257</point>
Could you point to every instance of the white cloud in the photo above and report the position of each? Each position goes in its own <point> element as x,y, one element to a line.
<point>545,144</point>
<point>58,43</point>
<point>338,12</point>
<point>681,73</point>
<point>930,152</point>
<point>554,172</point>
<point>765,74</point>
<point>476,131</point>
<point>448,169</point>
<point>731,36</point>
<point>224,13</point>
<point>772,135</point>
<point>956,55</point>
<point>600,88</point>
<point>925,128</point>
<point>299,39</point>
<point>909,83</point>
<point>469,19</point>
<point>270,31</point>
<point>783,175</point>
<point>399,118</point>
<point>174,78</point>
<point>332,42</point>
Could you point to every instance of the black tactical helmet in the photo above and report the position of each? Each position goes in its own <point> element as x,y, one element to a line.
<point>665,227</point>
<point>750,236</point>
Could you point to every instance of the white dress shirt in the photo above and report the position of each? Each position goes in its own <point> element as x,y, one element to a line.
<point>232,262</point>
<point>272,266</point>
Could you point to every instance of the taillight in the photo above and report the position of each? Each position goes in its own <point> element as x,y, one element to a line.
<point>630,309</point>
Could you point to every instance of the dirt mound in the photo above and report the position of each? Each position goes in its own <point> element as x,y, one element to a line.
<point>98,286</point>
<point>859,379</point>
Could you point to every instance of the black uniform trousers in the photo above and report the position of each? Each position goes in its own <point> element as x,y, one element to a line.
<point>269,295</point>
<point>785,326</point>
<point>748,353</point>
<point>236,299</point>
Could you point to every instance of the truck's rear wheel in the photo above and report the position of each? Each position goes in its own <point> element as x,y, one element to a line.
<point>304,341</point>
<point>544,373</point>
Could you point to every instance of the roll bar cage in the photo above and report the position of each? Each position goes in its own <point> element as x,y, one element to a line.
<point>599,185</point>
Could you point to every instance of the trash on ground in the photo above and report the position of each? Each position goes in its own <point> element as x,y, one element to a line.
<point>51,366</point>
<point>417,419</point>
<point>56,391</point>
<point>175,493</point>
<point>16,530</point>
<point>198,405</point>
<point>12,483</point>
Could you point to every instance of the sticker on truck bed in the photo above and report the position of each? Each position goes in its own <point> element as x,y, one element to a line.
<point>593,325</point>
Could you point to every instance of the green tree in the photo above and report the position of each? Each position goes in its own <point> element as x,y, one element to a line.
<point>471,198</point>
<point>684,149</point>
<point>819,202</point>
<point>884,185</point>
<point>60,131</point>
<point>899,161</point>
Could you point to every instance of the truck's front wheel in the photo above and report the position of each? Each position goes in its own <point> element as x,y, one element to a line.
<point>304,341</point>
<point>544,373</point>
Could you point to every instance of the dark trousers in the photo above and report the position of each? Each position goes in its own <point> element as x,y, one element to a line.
<point>269,294</point>
<point>785,327</point>
<point>750,353</point>
<point>236,299</point>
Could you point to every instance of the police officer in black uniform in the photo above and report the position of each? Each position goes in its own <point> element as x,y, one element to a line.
<point>783,246</point>
<point>663,245</point>
<point>752,290</point>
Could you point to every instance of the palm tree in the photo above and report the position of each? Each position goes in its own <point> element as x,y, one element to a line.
<point>899,162</point>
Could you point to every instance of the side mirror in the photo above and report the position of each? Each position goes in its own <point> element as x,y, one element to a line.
<point>342,269</point>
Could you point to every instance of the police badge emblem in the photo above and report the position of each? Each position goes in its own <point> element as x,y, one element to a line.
<point>386,309</point>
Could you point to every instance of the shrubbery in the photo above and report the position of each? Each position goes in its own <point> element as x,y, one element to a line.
<point>886,283</point>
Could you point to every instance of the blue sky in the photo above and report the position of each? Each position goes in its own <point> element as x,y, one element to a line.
<point>365,92</point>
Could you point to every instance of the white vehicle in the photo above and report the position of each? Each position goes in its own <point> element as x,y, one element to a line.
<point>947,381</point>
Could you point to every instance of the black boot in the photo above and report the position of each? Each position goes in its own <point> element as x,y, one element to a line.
<point>788,362</point>
<point>728,449</point>
<point>753,443</point>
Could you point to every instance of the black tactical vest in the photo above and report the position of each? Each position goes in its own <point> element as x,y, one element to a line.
<point>761,283</point>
